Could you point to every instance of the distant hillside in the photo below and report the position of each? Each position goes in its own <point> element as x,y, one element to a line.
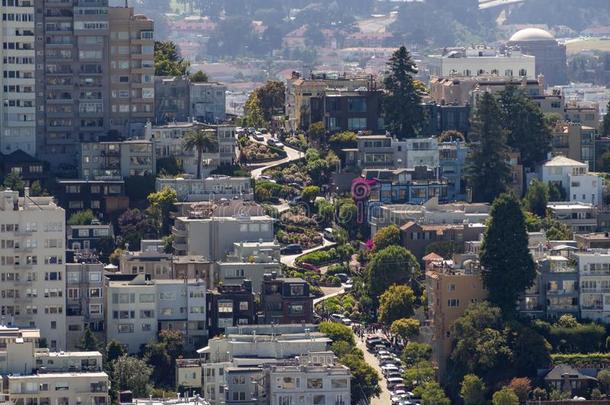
<point>576,14</point>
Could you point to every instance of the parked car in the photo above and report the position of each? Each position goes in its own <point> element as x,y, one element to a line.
<point>343,277</point>
<point>372,341</point>
<point>258,136</point>
<point>336,317</point>
<point>329,235</point>
<point>346,321</point>
<point>292,249</point>
<point>309,266</point>
<point>387,369</point>
<point>275,142</point>
<point>393,382</point>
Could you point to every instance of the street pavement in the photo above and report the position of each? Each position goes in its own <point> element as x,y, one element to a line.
<point>384,398</point>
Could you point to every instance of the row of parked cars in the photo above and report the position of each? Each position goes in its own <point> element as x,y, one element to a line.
<point>392,370</point>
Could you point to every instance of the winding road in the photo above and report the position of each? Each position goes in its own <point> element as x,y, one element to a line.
<point>291,155</point>
<point>289,260</point>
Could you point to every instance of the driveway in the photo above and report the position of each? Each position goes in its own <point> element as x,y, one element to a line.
<point>291,154</point>
<point>384,398</point>
<point>288,260</point>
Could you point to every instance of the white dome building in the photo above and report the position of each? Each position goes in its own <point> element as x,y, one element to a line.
<point>550,54</point>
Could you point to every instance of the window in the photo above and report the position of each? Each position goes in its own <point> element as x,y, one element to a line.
<point>314,383</point>
<point>356,123</point>
<point>147,298</point>
<point>147,313</point>
<point>125,328</point>
<point>243,305</point>
<point>95,293</point>
<point>167,296</point>
<point>338,383</point>
<point>453,302</point>
<point>95,276</point>
<point>289,383</point>
<point>451,287</point>
<point>297,289</point>
<point>225,306</point>
<point>95,309</point>
<point>319,400</point>
<point>295,309</point>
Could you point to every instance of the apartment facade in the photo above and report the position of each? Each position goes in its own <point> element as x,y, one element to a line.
<point>250,261</point>
<point>285,300</point>
<point>211,229</point>
<point>575,179</point>
<point>17,92</point>
<point>450,290</point>
<point>35,375</point>
<point>579,217</point>
<point>214,187</point>
<point>172,101</point>
<point>103,197</point>
<point>117,160</point>
<point>95,74</point>
<point>138,308</point>
<point>594,277</point>
<point>208,102</point>
<point>85,301</point>
<point>32,273</point>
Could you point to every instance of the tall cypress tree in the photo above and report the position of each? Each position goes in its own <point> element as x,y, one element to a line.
<point>526,127</point>
<point>488,171</point>
<point>403,112</point>
<point>508,266</point>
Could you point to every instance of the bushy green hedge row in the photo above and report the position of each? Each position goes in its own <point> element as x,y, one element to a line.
<point>593,360</point>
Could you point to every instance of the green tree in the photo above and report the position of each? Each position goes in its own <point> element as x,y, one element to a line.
<point>505,396</point>
<point>13,181</point>
<point>596,394</point>
<point>156,356</point>
<point>537,197</point>
<point>473,390</point>
<point>396,303</point>
<point>415,352</point>
<point>386,236</point>
<point>310,193</point>
<point>317,133</point>
<point>134,225</point>
<point>487,170</point>
<point>419,374</point>
<point>521,387</point>
<point>365,379</point>
<point>114,350</point>
<point>199,77</point>
<point>253,111</point>
<point>606,122</point>
<point>481,343</point>
<point>567,321</point>
<point>509,267</point>
<point>88,342</point>
<point>406,328</point>
<point>168,61</point>
<point>131,373</point>
<point>348,216</point>
<point>432,394</point>
<point>161,204</point>
<point>556,192</point>
<point>392,265</point>
<point>85,217</point>
<point>200,141</point>
<point>36,189</point>
<point>401,105</point>
<point>603,164</point>
<point>272,97</point>
<point>556,230</point>
<point>337,332</point>
<point>604,380</point>
<point>531,351</point>
<point>527,130</point>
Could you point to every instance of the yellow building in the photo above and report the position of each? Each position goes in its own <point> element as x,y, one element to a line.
<point>450,289</point>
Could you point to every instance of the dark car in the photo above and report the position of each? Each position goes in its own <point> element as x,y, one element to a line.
<point>292,249</point>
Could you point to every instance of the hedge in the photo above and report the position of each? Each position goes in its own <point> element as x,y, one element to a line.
<point>583,360</point>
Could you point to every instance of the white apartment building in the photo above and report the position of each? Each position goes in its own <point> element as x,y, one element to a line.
<point>594,274</point>
<point>139,307</point>
<point>211,229</point>
<point>574,177</point>
<point>250,261</point>
<point>315,377</point>
<point>429,213</point>
<point>384,151</point>
<point>579,217</point>
<point>208,101</point>
<point>32,375</point>
<point>481,61</point>
<point>17,92</point>
<point>214,187</point>
<point>32,268</point>
<point>251,346</point>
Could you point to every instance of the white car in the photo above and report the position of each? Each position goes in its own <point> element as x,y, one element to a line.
<point>258,137</point>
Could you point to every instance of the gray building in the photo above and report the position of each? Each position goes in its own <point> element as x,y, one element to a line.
<point>208,102</point>
<point>94,69</point>
<point>172,99</point>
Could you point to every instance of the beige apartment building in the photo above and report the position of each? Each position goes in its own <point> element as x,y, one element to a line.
<point>34,375</point>
<point>32,266</point>
<point>450,289</point>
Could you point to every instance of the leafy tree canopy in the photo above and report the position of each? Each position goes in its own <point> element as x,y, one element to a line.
<point>392,265</point>
<point>396,303</point>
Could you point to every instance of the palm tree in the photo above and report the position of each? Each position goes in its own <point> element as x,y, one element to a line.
<point>200,140</point>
